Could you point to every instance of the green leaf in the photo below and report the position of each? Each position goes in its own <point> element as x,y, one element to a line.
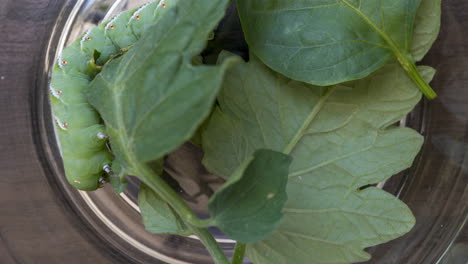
<point>152,98</point>
<point>158,216</point>
<point>341,138</point>
<point>248,206</point>
<point>426,27</point>
<point>326,42</point>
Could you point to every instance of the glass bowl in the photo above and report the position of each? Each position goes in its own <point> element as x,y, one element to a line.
<point>435,187</point>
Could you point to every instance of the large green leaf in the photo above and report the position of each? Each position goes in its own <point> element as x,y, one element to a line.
<point>325,42</point>
<point>152,98</point>
<point>426,27</point>
<point>248,206</point>
<point>158,216</point>
<point>340,139</point>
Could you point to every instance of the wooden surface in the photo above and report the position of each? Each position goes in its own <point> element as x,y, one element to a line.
<point>34,224</point>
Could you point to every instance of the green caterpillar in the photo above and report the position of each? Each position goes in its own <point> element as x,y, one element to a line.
<point>81,133</point>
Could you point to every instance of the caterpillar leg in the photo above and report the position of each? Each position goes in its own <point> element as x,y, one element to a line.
<point>107,168</point>
<point>101,135</point>
<point>102,181</point>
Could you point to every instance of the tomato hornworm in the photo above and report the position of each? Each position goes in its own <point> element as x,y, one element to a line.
<point>81,133</point>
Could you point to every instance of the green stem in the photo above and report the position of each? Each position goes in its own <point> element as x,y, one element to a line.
<point>173,199</point>
<point>239,253</point>
<point>414,74</point>
<point>211,245</point>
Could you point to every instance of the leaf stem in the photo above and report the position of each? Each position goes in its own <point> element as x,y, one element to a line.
<point>173,199</point>
<point>211,245</point>
<point>417,78</point>
<point>239,253</point>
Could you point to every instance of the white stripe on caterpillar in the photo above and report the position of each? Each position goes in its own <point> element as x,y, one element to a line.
<point>61,62</point>
<point>136,14</point>
<point>56,94</point>
<point>111,25</point>
<point>62,125</point>
<point>85,38</point>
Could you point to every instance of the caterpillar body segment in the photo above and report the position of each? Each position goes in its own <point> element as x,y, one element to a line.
<point>85,173</point>
<point>76,63</point>
<point>142,18</point>
<point>96,43</point>
<point>118,32</point>
<point>76,116</point>
<point>86,141</point>
<point>66,88</point>
<point>80,130</point>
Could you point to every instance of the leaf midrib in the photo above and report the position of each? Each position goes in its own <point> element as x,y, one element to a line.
<point>396,51</point>
<point>123,136</point>
<point>315,111</point>
<point>307,170</point>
